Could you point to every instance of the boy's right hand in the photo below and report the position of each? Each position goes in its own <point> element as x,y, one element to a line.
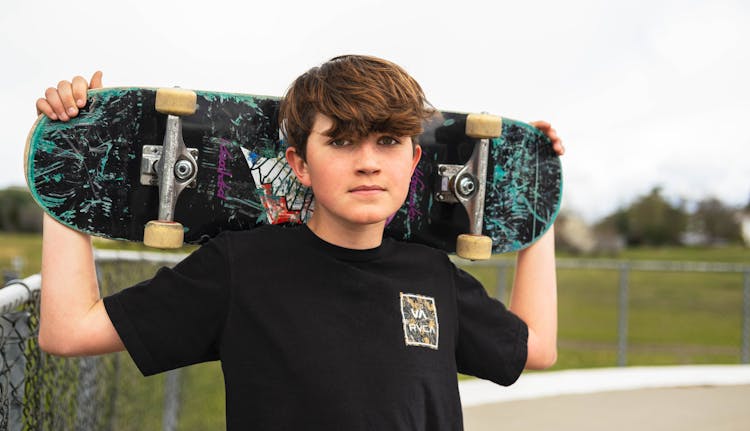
<point>63,102</point>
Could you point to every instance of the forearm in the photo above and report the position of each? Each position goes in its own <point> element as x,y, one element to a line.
<point>534,299</point>
<point>73,320</point>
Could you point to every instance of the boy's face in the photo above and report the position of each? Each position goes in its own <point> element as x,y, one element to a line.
<point>355,182</point>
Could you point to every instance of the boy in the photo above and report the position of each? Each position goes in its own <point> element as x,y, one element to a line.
<point>330,326</point>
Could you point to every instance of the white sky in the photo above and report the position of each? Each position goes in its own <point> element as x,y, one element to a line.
<point>643,93</point>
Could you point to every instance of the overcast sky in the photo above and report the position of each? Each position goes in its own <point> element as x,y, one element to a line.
<point>643,93</point>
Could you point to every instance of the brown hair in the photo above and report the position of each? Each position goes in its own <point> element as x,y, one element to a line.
<point>361,94</point>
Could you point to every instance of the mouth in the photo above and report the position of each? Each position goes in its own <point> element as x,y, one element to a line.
<point>367,189</point>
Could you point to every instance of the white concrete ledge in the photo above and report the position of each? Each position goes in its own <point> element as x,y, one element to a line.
<point>18,292</point>
<point>555,383</point>
<point>138,256</point>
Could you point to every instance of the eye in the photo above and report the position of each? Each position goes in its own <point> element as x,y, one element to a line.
<point>339,143</point>
<point>388,140</point>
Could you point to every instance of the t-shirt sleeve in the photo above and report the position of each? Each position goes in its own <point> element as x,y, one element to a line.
<point>176,318</point>
<point>492,341</point>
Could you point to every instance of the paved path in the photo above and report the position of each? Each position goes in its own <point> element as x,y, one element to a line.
<point>717,408</point>
<point>697,398</point>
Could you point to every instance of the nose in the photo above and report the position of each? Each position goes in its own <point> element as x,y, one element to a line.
<point>367,159</point>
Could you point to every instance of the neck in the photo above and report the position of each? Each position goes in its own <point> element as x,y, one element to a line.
<point>355,237</point>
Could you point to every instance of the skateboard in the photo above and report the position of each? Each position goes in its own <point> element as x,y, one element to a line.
<point>167,166</point>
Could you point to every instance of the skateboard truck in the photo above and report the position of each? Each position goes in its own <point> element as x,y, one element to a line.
<point>465,184</point>
<point>184,169</point>
<point>172,167</point>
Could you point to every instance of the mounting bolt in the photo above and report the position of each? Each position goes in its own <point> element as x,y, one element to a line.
<point>183,170</point>
<point>466,185</point>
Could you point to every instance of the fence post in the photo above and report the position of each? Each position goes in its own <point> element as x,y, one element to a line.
<point>113,392</point>
<point>745,357</point>
<point>622,326</point>
<point>502,283</point>
<point>87,402</point>
<point>16,330</point>
<point>171,400</point>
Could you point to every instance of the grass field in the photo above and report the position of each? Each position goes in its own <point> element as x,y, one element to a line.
<point>26,247</point>
<point>674,318</point>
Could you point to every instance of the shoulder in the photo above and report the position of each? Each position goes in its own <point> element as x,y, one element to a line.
<point>413,247</point>
<point>259,233</point>
<point>264,238</point>
<point>436,261</point>
<point>419,255</point>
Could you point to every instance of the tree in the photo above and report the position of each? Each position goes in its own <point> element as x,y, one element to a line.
<point>716,222</point>
<point>18,211</point>
<point>652,220</point>
<point>616,222</point>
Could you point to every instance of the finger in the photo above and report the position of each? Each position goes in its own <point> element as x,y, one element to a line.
<point>541,125</point>
<point>79,91</point>
<point>559,148</point>
<point>548,131</point>
<point>552,135</point>
<point>43,107</point>
<point>65,90</point>
<point>96,80</point>
<point>53,99</point>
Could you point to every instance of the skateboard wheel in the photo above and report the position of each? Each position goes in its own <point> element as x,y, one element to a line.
<point>483,126</point>
<point>176,101</point>
<point>474,247</point>
<point>163,234</point>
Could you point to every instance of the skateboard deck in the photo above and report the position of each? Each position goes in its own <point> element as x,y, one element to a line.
<point>95,173</point>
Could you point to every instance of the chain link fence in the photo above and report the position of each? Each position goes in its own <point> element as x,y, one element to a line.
<point>44,392</point>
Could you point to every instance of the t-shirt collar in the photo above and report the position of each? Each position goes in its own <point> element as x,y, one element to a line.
<point>346,254</point>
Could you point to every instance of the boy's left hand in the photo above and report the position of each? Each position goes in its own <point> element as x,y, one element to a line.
<point>551,133</point>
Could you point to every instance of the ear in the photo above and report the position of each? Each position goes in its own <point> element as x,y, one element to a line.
<point>415,158</point>
<point>298,165</point>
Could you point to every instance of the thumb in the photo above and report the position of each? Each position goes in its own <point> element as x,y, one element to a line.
<point>96,80</point>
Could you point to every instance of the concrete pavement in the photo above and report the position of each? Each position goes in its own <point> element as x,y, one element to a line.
<point>703,398</point>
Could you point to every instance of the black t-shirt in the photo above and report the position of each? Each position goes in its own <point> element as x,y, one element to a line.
<point>314,336</point>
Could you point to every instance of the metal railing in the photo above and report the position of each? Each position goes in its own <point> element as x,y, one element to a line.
<point>625,268</point>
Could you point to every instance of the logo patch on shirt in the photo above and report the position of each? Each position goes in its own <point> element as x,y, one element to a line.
<point>420,320</point>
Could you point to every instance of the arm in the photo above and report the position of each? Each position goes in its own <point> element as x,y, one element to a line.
<point>73,319</point>
<point>534,300</point>
<point>534,296</point>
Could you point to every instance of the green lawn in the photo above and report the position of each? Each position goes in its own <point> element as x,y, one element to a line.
<point>27,247</point>
<point>674,318</point>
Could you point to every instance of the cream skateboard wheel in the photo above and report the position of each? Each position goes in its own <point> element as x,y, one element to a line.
<point>484,126</point>
<point>176,101</point>
<point>163,234</point>
<point>474,247</point>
